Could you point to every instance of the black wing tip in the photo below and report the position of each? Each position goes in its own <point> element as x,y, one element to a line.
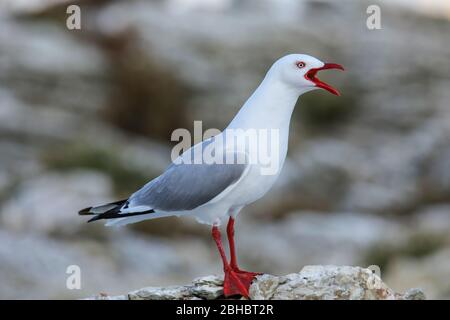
<point>85,211</point>
<point>112,213</point>
<point>94,219</point>
<point>116,215</point>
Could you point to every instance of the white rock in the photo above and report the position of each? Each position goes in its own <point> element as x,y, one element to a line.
<point>312,283</point>
<point>158,293</point>
<point>209,287</point>
<point>325,283</point>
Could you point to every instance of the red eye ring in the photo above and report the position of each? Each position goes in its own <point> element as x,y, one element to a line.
<point>301,64</point>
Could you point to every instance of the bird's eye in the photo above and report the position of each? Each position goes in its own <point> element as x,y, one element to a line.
<point>301,64</point>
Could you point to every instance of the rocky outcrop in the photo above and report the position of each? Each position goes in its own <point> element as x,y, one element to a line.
<point>311,283</point>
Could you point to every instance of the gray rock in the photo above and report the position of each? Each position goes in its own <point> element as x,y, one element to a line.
<point>158,293</point>
<point>106,297</point>
<point>311,283</point>
<point>414,294</point>
<point>209,287</point>
<point>325,283</point>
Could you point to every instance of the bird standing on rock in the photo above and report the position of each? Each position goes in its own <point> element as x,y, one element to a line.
<point>213,191</point>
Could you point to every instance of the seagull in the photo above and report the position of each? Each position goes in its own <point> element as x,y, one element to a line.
<point>214,186</point>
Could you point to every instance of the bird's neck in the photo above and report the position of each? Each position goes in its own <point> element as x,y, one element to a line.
<point>268,112</point>
<point>269,107</point>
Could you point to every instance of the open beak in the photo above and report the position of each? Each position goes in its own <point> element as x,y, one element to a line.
<point>311,76</point>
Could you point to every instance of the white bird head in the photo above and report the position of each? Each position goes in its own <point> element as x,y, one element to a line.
<point>300,72</point>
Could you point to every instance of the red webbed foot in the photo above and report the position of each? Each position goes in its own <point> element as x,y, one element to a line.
<point>248,273</point>
<point>237,282</point>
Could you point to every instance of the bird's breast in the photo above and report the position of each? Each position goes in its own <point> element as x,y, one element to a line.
<point>252,187</point>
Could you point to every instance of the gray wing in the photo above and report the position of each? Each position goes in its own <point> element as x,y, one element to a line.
<point>186,186</point>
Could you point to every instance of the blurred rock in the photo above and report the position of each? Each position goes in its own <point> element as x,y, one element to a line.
<point>431,272</point>
<point>63,74</point>
<point>314,237</point>
<point>311,283</point>
<point>433,220</point>
<point>323,172</point>
<point>49,204</point>
<point>437,174</point>
<point>34,266</point>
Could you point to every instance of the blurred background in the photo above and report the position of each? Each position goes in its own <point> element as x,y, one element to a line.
<point>86,117</point>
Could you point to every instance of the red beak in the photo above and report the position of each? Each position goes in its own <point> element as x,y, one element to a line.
<point>311,76</point>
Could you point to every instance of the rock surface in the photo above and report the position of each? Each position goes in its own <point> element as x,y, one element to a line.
<point>311,283</point>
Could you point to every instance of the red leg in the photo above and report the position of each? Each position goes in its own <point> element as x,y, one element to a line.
<point>230,234</point>
<point>248,276</point>
<point>232,282</point>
